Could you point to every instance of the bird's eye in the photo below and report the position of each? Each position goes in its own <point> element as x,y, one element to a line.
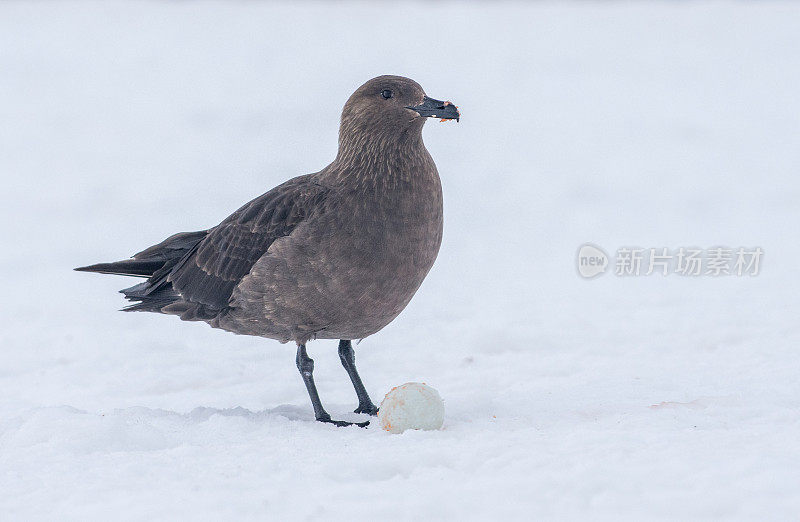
<point>387,94</point>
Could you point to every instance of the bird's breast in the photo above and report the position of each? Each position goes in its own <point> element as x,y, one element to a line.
<point>390,243</point>
<point>351,268</point>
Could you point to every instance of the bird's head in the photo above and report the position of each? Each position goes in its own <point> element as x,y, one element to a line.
<point>390,107</point>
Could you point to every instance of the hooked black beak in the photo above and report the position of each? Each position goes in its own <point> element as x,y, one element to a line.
<point>431,108</point>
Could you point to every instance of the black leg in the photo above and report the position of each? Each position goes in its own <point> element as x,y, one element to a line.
<point>306,366</point>
<point>348,358</point>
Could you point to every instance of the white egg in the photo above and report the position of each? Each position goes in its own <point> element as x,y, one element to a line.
<point>412,406</point>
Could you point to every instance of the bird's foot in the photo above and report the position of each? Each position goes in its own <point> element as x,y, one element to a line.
<point>327,419</point>
<point>368,408</point>
<point>342,424</point>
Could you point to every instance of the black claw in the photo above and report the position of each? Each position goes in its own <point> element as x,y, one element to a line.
<point>369,409</point>
<point>342,424</point>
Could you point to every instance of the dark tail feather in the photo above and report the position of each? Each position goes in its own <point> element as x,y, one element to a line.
<point>155,263</point>
<point>163,299</point>
<point>147,262</point>
<point>129,267</point>
<point>147,298</point>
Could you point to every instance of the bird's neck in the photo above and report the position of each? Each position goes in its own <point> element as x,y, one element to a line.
<point>373,154</point>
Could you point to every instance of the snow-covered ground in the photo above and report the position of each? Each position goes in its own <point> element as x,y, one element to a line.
<point>650,125</point>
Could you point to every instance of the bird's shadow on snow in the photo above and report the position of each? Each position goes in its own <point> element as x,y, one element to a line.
<point>288,411</point>
<point>285,411</point>
<point>47,419</point>
<point>204,413</point>
<point>141,428</point>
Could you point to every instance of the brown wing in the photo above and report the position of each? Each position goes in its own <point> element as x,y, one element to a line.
<point>210,272</point>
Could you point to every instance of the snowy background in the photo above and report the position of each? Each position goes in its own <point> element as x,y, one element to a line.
<point>650,124</point>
